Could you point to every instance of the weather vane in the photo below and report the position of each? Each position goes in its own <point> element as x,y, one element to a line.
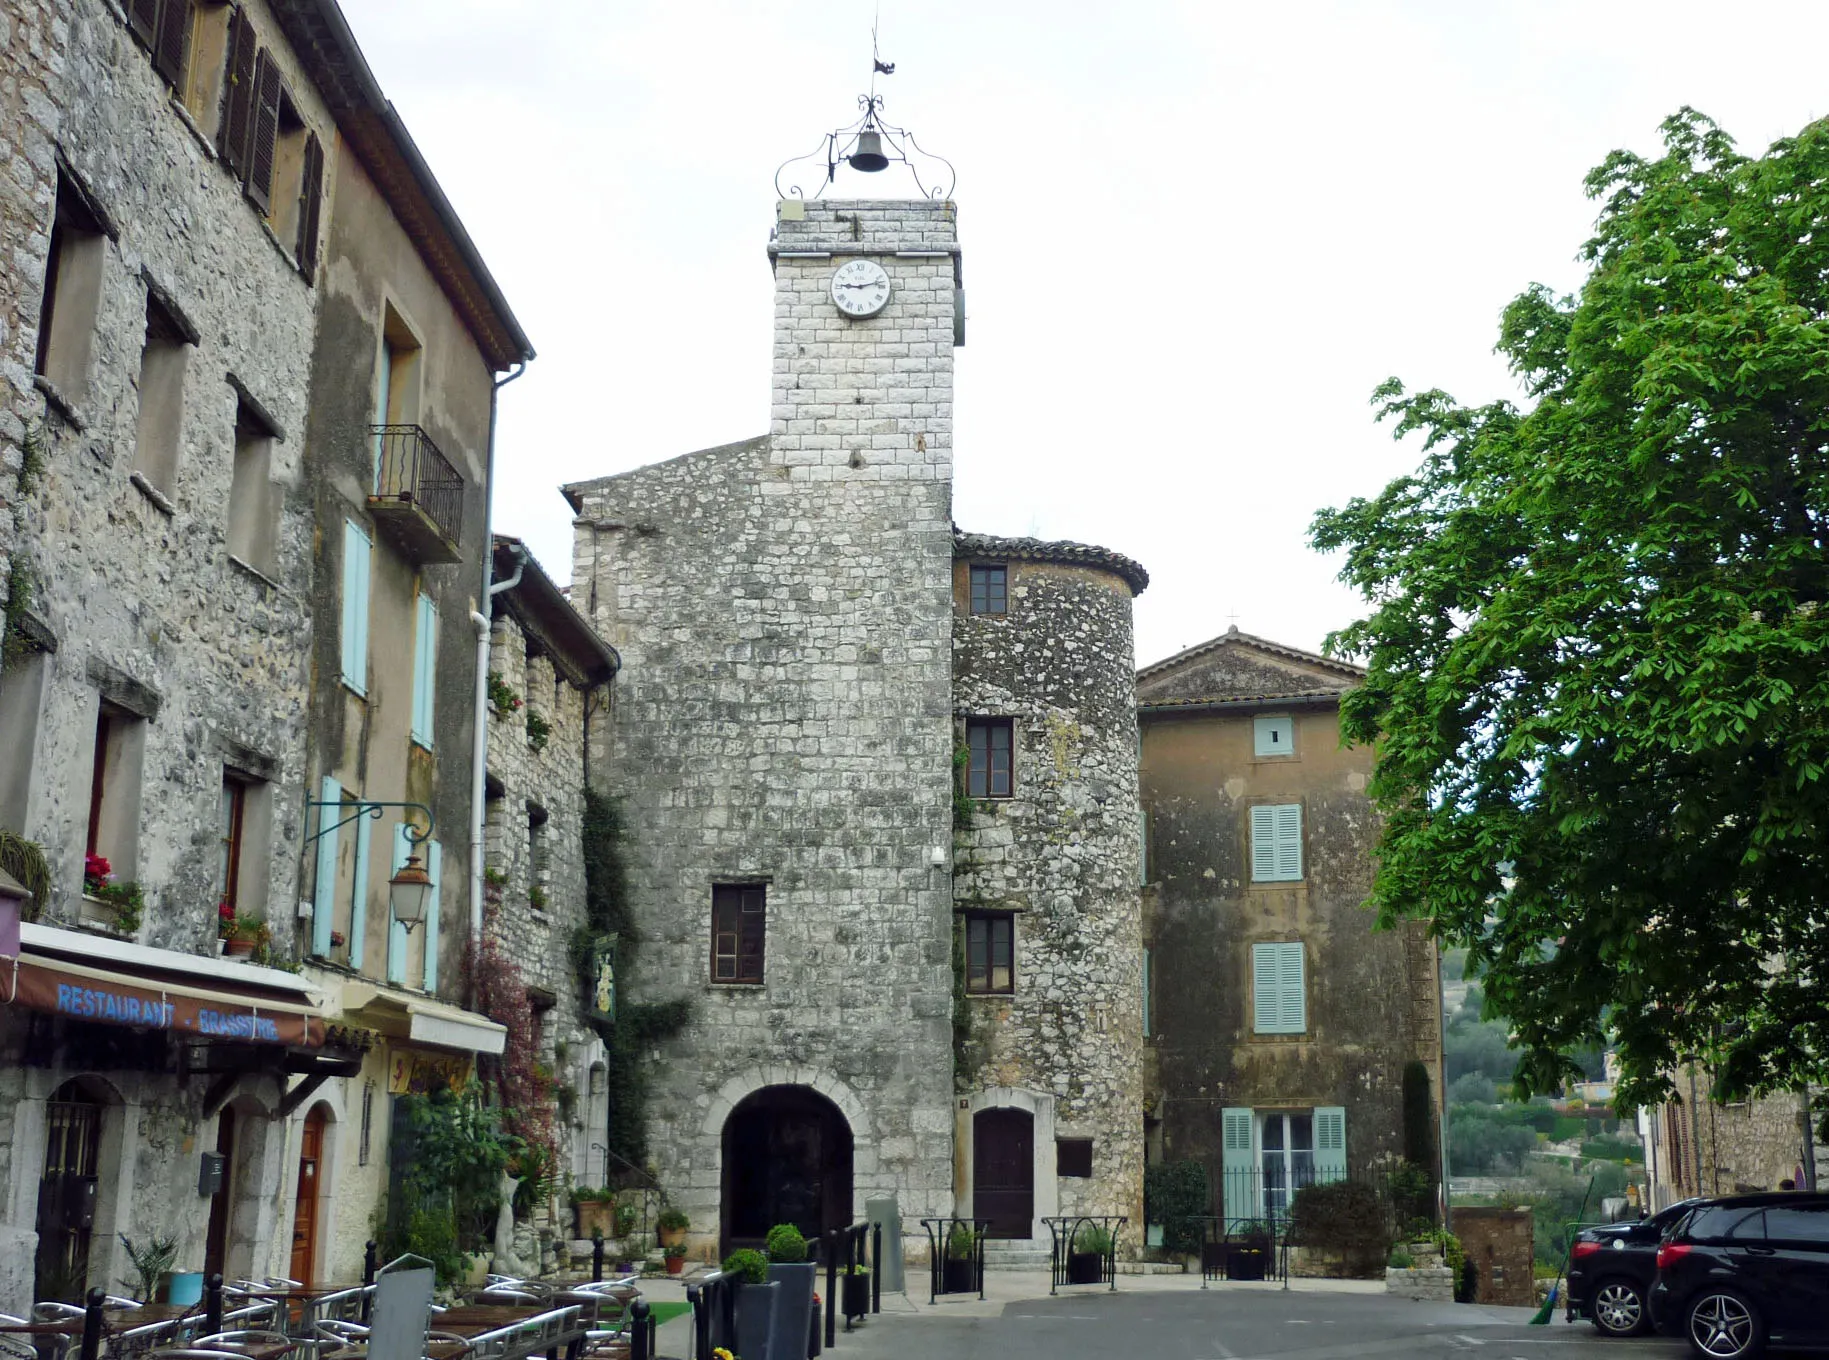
<point>869,144</point>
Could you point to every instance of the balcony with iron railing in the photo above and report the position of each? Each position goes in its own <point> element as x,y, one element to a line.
<point>418,499</point>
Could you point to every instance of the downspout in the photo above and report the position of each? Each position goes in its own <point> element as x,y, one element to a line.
<point>479,746</point>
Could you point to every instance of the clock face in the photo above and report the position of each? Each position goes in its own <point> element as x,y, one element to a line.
<point>860,288</point>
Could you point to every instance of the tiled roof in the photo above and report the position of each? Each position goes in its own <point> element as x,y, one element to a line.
<point>1232,635</point>
<point>1038,550</point>
<point>1306,696</point>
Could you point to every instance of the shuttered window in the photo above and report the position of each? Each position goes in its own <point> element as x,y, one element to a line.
<point>324,890</point>
<point>263,134</point>
<point>1276,843</point>
<point>357,551</point>
<point>425,668</point>
<point>238,93</point>
<point>1330,1144</point>
<point>739,921</point>
<point>171,57</point>
<point>1279,997</point>
<point>143,22</point>
<point>311,205</point>
<point>1239,1191</point>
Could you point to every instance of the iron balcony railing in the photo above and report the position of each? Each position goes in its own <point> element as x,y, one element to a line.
<point>410,471</point>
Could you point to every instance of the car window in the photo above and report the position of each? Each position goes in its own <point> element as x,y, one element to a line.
<point>1712,1223</point>
<point>1805,1223</point>
<point>1750,1228</point>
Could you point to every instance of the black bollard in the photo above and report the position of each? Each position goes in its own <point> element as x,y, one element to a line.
<point>831,1289</point>
<point>641,1341</point>
<point>92,1325</point>
<point>876,1267</point>
<point>212,1304</point>
<point>597,1257</point>
<point>368,1263</point>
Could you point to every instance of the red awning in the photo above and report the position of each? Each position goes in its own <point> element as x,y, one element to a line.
<point>109,997</point>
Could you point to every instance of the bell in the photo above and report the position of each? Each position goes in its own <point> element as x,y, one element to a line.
<point>869,155</point>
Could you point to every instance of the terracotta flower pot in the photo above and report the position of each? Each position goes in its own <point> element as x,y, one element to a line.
<point>236,946</point>
<point>675,1264</point>
<point>672,1237</point>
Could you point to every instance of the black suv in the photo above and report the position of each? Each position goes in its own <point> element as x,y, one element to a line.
<point>1611,1267</point>
<point>1743,1270</point>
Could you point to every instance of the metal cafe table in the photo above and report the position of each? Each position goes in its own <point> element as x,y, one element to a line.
<point>508,1332</point>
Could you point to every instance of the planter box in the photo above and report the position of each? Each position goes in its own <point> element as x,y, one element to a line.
<point>101,914</point>
<point>855,1295</point>
<point>1085,1267</point>
<point>1246,1263</point>
<point>596,1218</point>
<point>794,1283</point>
<point>958,1277</point>
<point>1429,1283</point>
<point>755,1309</point>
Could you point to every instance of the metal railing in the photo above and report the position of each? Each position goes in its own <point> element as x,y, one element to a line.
<point>949,1272</point>
<point>410,470</point>
<point>1084,1250</point>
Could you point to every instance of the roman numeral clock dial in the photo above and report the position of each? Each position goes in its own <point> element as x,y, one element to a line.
<point>860,288</point>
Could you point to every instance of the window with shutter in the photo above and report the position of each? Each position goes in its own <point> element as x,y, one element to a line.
<point>1279,1003</point>
<point>434,869</point>
<point>263,134</point>
<point>1330,1143</point>
<point>324,891</point>
<point>238,93</point>
<point>311,205</point>
<point>398,937</point>
<point>171,55</point>
<point>357,550</point>
<point>738,932</point>
<point>425,668</point>
<point>143,22</point>
<point>1238,1172</point>
<point>1276,843</point>
<point>358,894</point>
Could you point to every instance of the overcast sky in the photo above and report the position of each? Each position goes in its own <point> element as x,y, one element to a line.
<point>1196,236</point>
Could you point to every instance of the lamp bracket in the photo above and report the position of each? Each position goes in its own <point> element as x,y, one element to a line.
<point>364,807</point>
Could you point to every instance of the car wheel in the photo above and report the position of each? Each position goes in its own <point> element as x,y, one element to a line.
<point>1723,1326</point>
<point>1618,1308</point>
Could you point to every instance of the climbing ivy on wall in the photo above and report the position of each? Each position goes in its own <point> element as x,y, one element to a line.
<point>637,1025</point>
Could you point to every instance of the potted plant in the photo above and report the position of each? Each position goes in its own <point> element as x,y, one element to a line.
<point>1086,1255</point>
<point>1248,1251</point>
<point>242,935</point>
<point>152,1262</point>
<point>114,905</point>
<point>675,1257</point>
<point>854,1295</point>
<point>794,1277</point>
<point>959,1271</point>
<point>672,1224</point>
<point>626,1216</point>
<point>755,1302</point>
<point>595,1211</point>
<point>785,1244</point>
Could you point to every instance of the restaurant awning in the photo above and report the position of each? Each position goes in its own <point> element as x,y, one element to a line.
<point>421,1020</point>
<point>159,989</point>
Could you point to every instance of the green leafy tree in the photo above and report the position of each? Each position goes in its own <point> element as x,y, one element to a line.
<point>1596,637</point>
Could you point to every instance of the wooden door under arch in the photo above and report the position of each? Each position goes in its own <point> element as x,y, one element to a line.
<point>1003,1171</point>
<point>305,1211</point>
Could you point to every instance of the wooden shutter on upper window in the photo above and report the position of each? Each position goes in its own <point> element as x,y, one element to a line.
<point>311,202</point>
<point>263,133</point>
<point>143,22</point>
<point>170,57</point>
<point>237,93</point>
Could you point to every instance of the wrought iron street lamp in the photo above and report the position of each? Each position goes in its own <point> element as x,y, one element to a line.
<point>410,889</point>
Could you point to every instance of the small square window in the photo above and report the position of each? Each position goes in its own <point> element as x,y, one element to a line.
<point>1073,1156</point>
<point>738,920</point>
<point>990,593</point>
<point>1274,737</point>
<point>990,952</point>
<point>989,745</point>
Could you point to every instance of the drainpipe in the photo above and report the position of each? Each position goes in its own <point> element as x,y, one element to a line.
<point>479,750</point>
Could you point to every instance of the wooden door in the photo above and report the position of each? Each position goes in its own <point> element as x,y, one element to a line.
<point>305,1213</point>
<point>1003,1171</point>
<point>216,1244</point>
<point>67,1193</point>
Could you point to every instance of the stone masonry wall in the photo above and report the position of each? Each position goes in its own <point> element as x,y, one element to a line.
<point>1061,853</point>
<point>783,715</point>
<point>537,939</point>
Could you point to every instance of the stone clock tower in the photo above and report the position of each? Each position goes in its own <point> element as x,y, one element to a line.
<point>782,744</point>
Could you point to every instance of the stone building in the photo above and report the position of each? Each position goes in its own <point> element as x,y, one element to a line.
<point>783,739</point>
<point>1280,1022</point>
<point>195,213</point>
<point>1696,1145</point>
<point>1045,884</point>
<point>546,657</point>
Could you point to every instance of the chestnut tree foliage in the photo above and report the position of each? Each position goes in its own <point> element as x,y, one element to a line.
<point>1597,638</point>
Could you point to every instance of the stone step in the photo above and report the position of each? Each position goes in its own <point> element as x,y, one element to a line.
<point>1017,1254</point>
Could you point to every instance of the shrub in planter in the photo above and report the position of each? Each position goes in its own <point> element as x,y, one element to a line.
<point>596,1211</point>
<point>855,1295</point>
<point>1344,1219</point>
<point>675,1257</point>
<point>1086,1256</point>
<point>785,1244</point>
<point>959,1269</point>
<point>749,1266</point>
<point>672,1225</point>
<point>1248,1252</point>
<point>1176,1195</point>
<point>1401,1260</point>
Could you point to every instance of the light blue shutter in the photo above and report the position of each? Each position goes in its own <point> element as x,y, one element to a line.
<point>1238,1166</point>
<point>1263,843</point>
<point>356,552</point>
<point>358,897</point>
<point>431,916</point>
<point>1288,841</point>
<point>425,669</point>
<point>397,933</point>
<point>1292,1000</point>
<point>1330,1144</point>
<point>1266,1008</point>
<point>324,890</point>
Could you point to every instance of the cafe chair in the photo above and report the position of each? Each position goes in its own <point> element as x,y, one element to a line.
<point>54,1312</point>
<point>16,1347</point>
<point>192,1353</point>
<point>242,1338</point>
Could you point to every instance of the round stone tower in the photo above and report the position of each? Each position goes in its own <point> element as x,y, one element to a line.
<point>1048,1039</point>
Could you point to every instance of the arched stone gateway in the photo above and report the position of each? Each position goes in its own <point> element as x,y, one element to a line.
<point>787,1159</point>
